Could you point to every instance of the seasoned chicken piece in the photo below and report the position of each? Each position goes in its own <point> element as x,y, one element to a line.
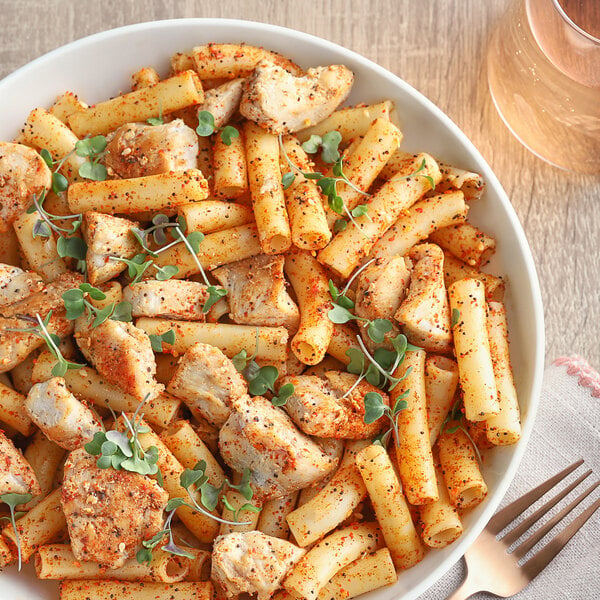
<point>15,346</point>
<point>122,354</point>
<point>282,103</point>
<point>319,406</point>
<point>137,149</point>
<point>173,299</point>
<point>47,299</point>
<point>252,562</point>
<point>207,381</point>
<point>109,512</point>
<point>425,314</point>
<point>256,292</point>
<point>16,284</point>
<point>281,459</point>
<point>106,235</point>
<point>16,474</point>
<point>62,418</point>
<point>223,101</point>
<point>380,290</point>
<point>23,173</point>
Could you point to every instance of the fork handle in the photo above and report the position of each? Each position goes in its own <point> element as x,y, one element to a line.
<point>466,590</point>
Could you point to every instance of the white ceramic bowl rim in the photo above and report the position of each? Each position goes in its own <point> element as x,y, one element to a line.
<point>242,30</point>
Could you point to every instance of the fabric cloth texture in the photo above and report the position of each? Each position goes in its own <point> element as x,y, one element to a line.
<point>567,428</point>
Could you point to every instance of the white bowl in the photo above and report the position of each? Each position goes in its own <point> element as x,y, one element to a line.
<point>100,66</point>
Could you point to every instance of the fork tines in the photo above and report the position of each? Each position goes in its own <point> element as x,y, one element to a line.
<point>504,517</point>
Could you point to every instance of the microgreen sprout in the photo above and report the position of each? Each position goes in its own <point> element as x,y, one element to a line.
<point>206,127</point>
<point>456,415</point>
<point>52,342</point>
<point>157,120</point>
<point>121,451</point>
<point>261,379</point>
<point>156,340</point>
<point>139,264</point>
<point>77,304</point>
<point>192,243</point>
<point>418,171</point>
<point>455,317</point>
<point>93,149</point>
<point>12,500</point>
<point>328,185</point>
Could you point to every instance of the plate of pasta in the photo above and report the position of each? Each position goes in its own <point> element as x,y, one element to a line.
<point>256,297</point>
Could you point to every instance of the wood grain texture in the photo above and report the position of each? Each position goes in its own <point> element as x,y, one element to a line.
<point>439,47</point>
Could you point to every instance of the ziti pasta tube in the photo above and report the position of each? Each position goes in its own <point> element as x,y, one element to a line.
<point>303,200</point>
<point>458,461</point>
<point>415,460</point>
<point>390,506</point>
<point>268,202</point>
<point>475,369</point>
<point>167,96</point>
<point>151,192</point>
<point>310,282</point>
<point>86,589</point>
<point>505,427</point>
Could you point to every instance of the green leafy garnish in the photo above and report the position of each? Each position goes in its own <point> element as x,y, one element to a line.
<point>76,305</point>
<point>261,379</point>
<point>206,123</point>
<point>340,225</point>
<point>93,149</point>
<point>228,133</point>
<point>52,342</point>
<point>157,120</point>
<point>206,127</point>
<point>12,500</point>
<point>457,415</point>
<point>122,450</point>
<point>156,341</point>
<point>192,242</point>
<point>455,317</point>
<point>417,172</point>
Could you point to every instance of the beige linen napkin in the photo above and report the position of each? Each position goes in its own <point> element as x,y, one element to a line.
<point>567,428</point>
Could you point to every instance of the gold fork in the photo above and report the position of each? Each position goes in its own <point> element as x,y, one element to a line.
<point>491,568</point>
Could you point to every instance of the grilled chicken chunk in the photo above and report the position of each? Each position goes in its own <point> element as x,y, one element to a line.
<point>281,459</point>
<point>122,354</point>
<point>16,474</point>
<point>256,292</point>
<point>207,381</point>
<point>109,512</point>
<point>106,235</point>
<point>62,418</point>
<point>16,284</point>
<point>282,103</point>
<point>318,406</point>
<point>137,149</point>
<point>173,299</point>
<point>223,101</point>
<point>380,290</point>
<point>15,346</point>
<point>424,316</point>
<point>47,299</point>
<point>252,562</point>
<point>23,173</point>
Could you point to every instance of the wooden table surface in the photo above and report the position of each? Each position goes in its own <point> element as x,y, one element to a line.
<point>438,46</point>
